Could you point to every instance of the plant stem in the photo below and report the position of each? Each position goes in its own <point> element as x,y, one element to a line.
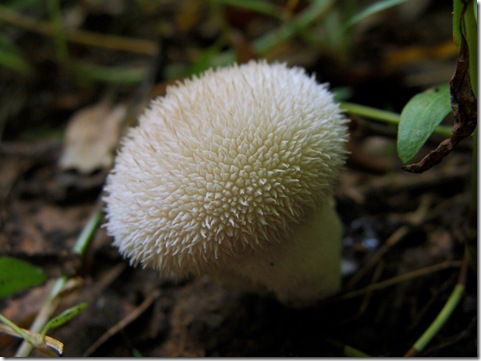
<point>48,308</point>
<point>17,329</point>
<point>372,113</point>
<point>87,233</point>
<point>471,33</point>
<point>87,38</point>
<point>444,315</point>
<point>384,116</point>
<point>440,320</point>
<point>457,7</point>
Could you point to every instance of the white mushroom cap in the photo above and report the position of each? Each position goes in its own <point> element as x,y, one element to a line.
<point>224,164</point>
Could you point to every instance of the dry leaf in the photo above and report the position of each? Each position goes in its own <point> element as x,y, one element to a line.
<point>91,137</point>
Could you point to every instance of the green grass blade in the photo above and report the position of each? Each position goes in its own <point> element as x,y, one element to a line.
<point>441,319</point>
<point>371,10</point>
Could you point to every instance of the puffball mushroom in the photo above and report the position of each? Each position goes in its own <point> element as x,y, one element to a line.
<point>231,174</point>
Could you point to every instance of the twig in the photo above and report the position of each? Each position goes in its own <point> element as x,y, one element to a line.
<point>375,278</point>
<point>402,278</point>
<point>416,218</point>
<point>405,182</point>
<point>132,316</point>
<point>83,37</point>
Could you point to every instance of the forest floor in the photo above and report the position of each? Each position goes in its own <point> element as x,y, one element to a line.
<point>404,233</point>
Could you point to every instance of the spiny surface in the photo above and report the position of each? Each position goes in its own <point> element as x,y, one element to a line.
<point>225,161</point>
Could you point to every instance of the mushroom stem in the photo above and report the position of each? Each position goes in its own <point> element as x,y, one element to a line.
<point>300,271</point>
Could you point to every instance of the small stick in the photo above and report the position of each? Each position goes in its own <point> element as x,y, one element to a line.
<point>132,316</point>
<point>416,218</point>
<point>404,277</point>
<point>88,38</point>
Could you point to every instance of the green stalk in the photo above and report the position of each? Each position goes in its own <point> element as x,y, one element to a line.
<point>83,240</point>
<point>384,116</point>
<point>48,308</point>
<point>371,113</point>
<point>439,322</point>
<point>444,315</point>
<point>17,329</point>
<point>457,8</point>
<point>471,34</point>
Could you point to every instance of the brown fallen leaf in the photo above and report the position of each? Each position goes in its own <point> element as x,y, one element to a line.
<point>91,137</point>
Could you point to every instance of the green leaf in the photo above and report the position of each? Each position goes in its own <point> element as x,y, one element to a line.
<point>421,115</point>
<point>17,275</point>
<point>64,317</point>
